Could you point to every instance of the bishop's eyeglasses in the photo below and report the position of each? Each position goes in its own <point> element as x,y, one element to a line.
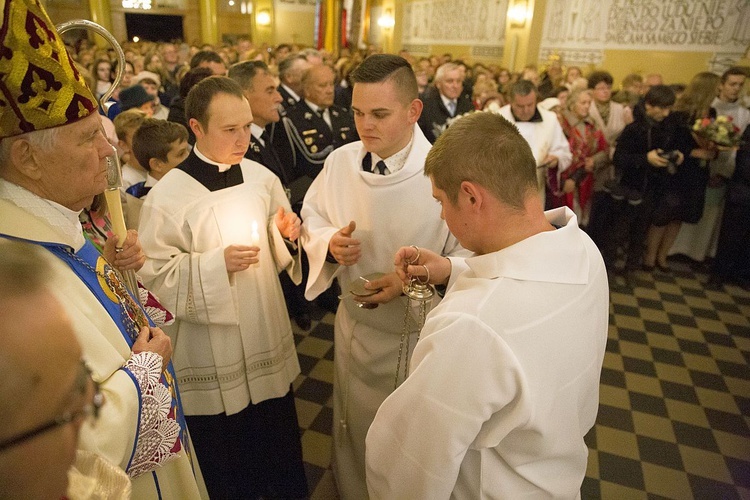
<point>91,409</point>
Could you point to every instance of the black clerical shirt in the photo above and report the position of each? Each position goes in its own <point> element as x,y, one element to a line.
<point>208,174</point>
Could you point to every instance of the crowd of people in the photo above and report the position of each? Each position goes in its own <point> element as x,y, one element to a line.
<point>257,180</point>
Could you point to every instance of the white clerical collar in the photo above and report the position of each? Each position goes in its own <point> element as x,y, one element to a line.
<point>223,167</point>
<point>150,181</point>
<point>396,161</point>
<point>256,131</point>
<point>292,93</point>
<point>61,218</point>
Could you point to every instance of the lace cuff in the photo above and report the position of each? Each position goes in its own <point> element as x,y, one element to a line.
<point>158,431</point>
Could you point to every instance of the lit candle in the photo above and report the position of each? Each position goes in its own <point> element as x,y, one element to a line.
<point>255,238</point>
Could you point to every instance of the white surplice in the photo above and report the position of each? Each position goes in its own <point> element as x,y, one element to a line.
<point>232,338</point>
<point>390,211</point>
<point>504,382</point>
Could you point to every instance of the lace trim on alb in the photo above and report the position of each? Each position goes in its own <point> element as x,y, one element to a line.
<point>158,431</point>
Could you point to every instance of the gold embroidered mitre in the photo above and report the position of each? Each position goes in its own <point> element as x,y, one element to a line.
<point>39,85</point>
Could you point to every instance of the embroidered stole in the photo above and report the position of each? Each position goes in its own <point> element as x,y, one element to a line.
<point>105,284</point>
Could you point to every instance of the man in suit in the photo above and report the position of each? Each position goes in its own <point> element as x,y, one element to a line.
<point>259,88</point>
<point>445,101</point>
<point>316,126</point>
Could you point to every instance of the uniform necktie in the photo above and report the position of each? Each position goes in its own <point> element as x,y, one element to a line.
<point>367,164</point>
<point>265,138</point>
<point>452,107</point>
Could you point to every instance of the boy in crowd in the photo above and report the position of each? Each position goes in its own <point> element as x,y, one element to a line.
<point>126,123</point>
<point>159,146</point>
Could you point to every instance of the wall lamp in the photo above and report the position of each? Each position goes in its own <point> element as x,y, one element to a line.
<point>518,13</point>
<point>386,21</point>
<point>263,18</point>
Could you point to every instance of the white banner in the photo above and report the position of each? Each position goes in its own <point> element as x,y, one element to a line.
<point>295,5</point>
<point>664,25</point>
<point>455,22</point>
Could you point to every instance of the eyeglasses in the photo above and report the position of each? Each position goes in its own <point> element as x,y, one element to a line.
<point>89,410</point>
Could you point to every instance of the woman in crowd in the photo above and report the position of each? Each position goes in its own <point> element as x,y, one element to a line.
<point>101,70</point>
<point>691,178</point>
<point>590,167</point>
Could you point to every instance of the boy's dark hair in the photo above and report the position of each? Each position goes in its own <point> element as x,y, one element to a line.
<point>597,77</point>
<point>154,139</point>
<point>661,96</point>
<point>205,56</point>
<point>191,78</point>
<point>734,71</point>
<point>381,67</point>
<point>200,96</point>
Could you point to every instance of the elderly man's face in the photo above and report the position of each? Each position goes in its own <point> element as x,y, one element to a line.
<point>39,339</point>
<point>74,170</point>
<point>319,88</point>
<point>451,84</point>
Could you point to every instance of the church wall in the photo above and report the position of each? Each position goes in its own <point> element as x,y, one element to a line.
<point>677,38</point>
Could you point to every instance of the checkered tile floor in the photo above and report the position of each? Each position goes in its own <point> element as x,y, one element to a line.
<point>674,414</point>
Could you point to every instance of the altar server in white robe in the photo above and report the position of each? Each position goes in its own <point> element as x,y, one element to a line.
<point>542,132</point>
<point>504,382</point>
<point>217,230</point>
<point>370,198</point>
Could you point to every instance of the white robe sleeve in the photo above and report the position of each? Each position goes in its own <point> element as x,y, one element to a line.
<point>194,286</point>
<point>318,231</point>
<point>423,430</point>
<point>286,258</point>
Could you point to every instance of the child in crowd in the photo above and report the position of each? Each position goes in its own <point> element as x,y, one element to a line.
<point>126,123</point>
<point>158,146</point>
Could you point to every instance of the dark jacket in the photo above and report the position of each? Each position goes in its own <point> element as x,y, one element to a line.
<point>435,114</point>
<point>313,140</point>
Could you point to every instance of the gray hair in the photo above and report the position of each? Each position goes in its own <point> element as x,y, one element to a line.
<point>443,70</point>
<point>43,140</point>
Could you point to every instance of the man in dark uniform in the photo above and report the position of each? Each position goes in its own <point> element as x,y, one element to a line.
<point>259,88</point>
<point>291,70</point>
<point>443,102</point>
<point>316,126</point>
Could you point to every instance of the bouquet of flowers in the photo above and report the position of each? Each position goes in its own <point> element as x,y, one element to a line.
<point>720,131</point>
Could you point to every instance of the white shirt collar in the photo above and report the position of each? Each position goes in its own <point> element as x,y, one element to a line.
<point>291,92</point>
<point>256,130</point>
<point>61,218</point>
<point>558,256</point>
<point>150,181</point>
<point>396,161</point>
<point>446,101</point>
<point>223,167</point>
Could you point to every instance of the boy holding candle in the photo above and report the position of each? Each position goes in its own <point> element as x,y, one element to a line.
<point>206,225</point>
